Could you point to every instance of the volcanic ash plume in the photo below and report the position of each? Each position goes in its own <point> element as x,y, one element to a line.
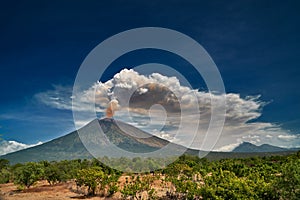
<point>111,108</point>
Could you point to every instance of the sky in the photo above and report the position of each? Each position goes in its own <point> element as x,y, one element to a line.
<point>255,45</point>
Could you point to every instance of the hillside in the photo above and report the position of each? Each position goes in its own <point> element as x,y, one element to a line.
<point>70,146</point>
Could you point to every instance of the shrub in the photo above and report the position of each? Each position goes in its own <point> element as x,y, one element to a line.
<point>28,174</point>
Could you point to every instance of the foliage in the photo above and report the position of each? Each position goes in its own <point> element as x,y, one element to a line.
<point>28,174</point>
<point>4,171</point>
<point>91,177</point>
<point>97,177</point>
<point>137,184</point>
<point>288,184</point>
<point>252,178</point>
<point>4,175</point>
<point>4,163</point>
<point>52,173</point>
<point>274,177</point>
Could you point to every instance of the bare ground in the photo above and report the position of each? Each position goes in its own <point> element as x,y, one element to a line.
<point>66,191</point>
<point>42,190</point>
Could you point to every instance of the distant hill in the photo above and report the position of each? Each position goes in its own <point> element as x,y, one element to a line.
<point>125,136</point>
<point>247,147</point>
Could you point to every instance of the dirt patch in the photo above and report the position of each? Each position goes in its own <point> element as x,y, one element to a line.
<point>66,191</point>
<point>42,190</point>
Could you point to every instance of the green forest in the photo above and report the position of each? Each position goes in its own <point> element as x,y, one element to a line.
<point>189,177</point>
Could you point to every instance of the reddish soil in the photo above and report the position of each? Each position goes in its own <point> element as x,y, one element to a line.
<point>66,191</point>
<point>42,190</point>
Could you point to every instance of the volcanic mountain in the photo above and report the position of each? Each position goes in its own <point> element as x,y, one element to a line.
<point>70,146</point>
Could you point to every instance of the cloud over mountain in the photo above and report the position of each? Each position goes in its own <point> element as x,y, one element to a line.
<point>156,102</point>
<point>12,146</point>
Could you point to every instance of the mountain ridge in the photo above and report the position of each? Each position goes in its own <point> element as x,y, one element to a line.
<point>247,147</point>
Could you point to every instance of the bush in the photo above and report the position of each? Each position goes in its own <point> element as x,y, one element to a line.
<point>53,174</point>
<point>4,171</point>
<point>91,177</point>
<point>4,176</point>
<point>289,181</point>
<point>28,174</point>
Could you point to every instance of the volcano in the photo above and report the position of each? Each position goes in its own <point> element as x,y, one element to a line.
<point>70,146</point>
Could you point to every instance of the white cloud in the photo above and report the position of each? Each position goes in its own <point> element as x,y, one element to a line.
<point>12,146</point>
<point>228,147</point>
<point>287,137</point>
<point>59,98</point>
<point>137,93</point>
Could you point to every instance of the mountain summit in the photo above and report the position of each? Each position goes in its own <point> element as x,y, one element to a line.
<point>129,137</point>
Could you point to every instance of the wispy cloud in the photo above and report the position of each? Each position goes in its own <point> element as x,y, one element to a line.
<point>59,97</point>
<point>137,93</point>
<point>12,146</point>
<point>287,137</point>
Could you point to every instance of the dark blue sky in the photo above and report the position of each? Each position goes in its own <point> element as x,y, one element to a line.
<point>255,45</point>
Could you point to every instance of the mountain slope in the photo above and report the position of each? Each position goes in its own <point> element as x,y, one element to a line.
<point>70,146</point>
<point>63,148</point>
<point>129,137</point>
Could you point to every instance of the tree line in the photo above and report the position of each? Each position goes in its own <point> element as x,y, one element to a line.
<point>189,177</point>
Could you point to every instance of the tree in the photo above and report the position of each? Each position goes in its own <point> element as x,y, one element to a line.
<point>28,174</point>
<point>4,171</point>
<point>90,177</point>
<point>4,163</point>
<point>52,173</point>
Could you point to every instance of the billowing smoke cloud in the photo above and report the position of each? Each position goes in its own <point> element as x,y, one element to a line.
<point>131,91</point>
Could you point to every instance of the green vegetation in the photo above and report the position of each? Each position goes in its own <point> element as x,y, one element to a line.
<point>135,185</point>
<point>28,174</point>
<point>4,171</point>
<point>189,177</point>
